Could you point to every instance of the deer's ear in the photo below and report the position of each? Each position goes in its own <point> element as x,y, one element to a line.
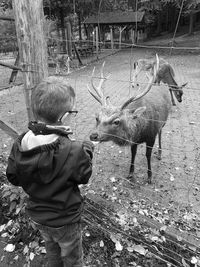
<point>138,112</point>
<point>183,85</point>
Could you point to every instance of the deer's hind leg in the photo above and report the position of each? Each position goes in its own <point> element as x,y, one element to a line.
<point>158,156</point>
<point>149,147</point>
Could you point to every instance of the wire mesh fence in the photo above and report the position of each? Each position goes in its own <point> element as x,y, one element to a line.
<point>176,178</point>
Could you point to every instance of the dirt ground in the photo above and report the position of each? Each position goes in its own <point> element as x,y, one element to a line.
<point>176,178</point>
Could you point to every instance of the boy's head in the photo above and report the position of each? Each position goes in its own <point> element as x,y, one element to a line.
<point>51,99</point>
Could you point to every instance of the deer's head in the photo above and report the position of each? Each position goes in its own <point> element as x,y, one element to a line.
<point>113,123</point>
<point>166,75</point>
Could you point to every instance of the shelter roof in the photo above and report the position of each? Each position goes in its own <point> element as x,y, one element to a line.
<point>116,17</point>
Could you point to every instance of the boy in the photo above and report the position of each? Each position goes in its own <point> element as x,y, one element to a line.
<point>49,167</point>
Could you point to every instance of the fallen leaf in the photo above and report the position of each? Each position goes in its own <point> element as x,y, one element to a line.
<point>140,249</point>
<point>9,248</point>
<point>112,179</point>
<point>4,235</point>
<point>101,244</point>
<point>26,249</point>
<point>130,249</point>
<point>32,255</point>
<point>171,177</point>
<point>2,227</point>
<point>16,257</point>
<point>2,258</point>
<point>87,234</point>
<point>118,246</point>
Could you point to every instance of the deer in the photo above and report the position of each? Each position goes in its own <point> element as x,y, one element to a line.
<point>165,74</point>
<point>138,120</point>
<point>62,61</point>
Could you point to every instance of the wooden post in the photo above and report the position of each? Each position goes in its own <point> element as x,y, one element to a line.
<point>120,36</point>
<point>111,38</point>
<point>93,37</point>
<point>97,42</point>
<point>29,18</point>
<point>69,39</point>
<point>132,36</point>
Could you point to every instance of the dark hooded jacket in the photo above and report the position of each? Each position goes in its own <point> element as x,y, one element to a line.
<point>50,175</point>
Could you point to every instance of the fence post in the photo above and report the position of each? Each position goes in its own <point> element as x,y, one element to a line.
<point>97,42</point>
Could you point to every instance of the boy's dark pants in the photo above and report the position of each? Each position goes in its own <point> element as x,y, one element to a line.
<point>63,245</point>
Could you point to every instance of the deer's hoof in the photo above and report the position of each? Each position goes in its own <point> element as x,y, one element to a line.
<point>149,179</point>
<point>131,177</point>
<point>158,157</point>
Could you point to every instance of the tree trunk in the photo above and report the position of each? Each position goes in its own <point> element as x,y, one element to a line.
<point>79,26</point>
<point>191,23</point>
<point>64,39</point>
<point>173,18</point>
<point>159,22</point>
<point>86,32</point>
<point>29,18</point>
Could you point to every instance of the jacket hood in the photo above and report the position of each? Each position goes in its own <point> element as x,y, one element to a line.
<point>36,157</point>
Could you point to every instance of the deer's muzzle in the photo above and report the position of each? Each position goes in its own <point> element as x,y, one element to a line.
<point>94,137</point>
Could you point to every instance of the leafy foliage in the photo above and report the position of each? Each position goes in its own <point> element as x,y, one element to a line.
<point>6,4</point>
<point>18,230</point>
<point>188,6</point>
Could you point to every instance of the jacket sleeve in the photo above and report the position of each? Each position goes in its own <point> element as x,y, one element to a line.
<point>11,168</point>
<point>84,163</point>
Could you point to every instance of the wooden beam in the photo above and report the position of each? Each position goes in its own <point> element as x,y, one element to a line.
<point>6,18</point>
<point>29,19</point>
<point>10,66</point>
<point>8,129</point>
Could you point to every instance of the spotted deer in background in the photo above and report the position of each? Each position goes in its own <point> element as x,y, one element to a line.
<point>62,61</point>
<point>165,74</point>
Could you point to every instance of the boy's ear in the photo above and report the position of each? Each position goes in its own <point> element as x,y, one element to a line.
<point>138,112</point>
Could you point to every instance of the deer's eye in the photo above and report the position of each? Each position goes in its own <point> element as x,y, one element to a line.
<point>116,122</point>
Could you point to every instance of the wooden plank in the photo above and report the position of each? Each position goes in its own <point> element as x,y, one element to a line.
<point>9,86</point>
<point>6,18</point>
<point>10,66</point>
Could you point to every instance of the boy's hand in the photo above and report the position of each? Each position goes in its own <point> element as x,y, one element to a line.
<point>89,145</point>
<point>88,148</point>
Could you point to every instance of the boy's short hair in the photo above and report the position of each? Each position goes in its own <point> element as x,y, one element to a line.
<point>51,98</point>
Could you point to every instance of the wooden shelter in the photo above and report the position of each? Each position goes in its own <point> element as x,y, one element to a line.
<point>110,25</point>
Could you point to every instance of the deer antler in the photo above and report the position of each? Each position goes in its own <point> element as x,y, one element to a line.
<point>147,89</point>
<point>99,96</point>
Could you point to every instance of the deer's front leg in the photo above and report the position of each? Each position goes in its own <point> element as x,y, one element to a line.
<point>133,153</point>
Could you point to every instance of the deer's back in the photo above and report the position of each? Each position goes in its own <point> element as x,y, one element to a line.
<point>158,105</point>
